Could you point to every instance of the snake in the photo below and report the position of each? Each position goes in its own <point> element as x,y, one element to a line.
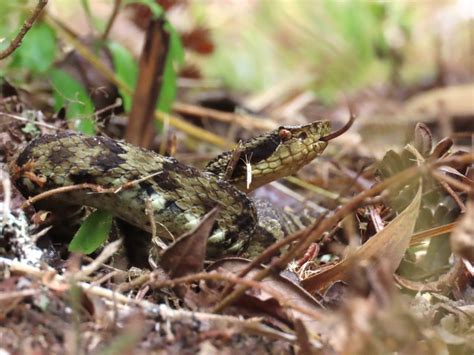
<point>136,183</point>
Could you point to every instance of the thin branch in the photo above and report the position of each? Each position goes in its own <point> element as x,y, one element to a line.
<point>420,237</point>
<point>16,42</point>
<point>87,186</point>
<point>451,192</point>
<point>214,276</point>
<point>7,195</point>
<point>23,119</point>
<point>109,250</point>
<point>63,189</point>
<point>160,311</point>
<point>112,18</point>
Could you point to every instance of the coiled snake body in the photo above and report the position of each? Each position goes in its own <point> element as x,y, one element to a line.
<point>177,195</point>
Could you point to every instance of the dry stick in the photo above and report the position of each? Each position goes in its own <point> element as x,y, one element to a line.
<point>49,193</point>
<point>140,129</point>
<point>252,122</point>
<point>214,276</point>
<point>234,159</point>
<point>16,42</point>
<point>419,237</point>
<point>134,283</point>
<point>116,104</point>
<point>273,250</point>
<point>452,182</point>
<point>85,186</point>
<point>108,251</point>
<point>23,119</point>
<point>450,191</point>
<point>7,195</point>
<point>163,311</point>
<point>325,224</point>
<point>112,18</point>
<point>180,124</point>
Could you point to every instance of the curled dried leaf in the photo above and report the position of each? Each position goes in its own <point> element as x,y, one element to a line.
<point>442,147</point>
<point>423,139</point>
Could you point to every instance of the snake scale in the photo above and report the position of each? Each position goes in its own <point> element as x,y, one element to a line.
<point>178,195</point>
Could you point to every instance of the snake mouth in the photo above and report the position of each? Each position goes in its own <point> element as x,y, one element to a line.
<point>341,130</point>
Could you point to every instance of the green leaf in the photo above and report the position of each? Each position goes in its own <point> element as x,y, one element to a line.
<point>37,50</point>
<point>156,9</point>
<point>92,233</point>
<point>70,93</point>
<point>176,47</point>
<point>174,58</point>
<point>126,69</point>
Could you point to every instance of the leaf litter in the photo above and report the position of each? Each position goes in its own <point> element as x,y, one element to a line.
<point>361,286</point>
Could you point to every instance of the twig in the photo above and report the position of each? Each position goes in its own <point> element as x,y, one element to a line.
<point>149,212</point>
<point>134,283</point>
<point>141,126</point>
<point>62,189</point>
<point>85,186</point>
<point>157,311</point>
<point>7,195</point>
<point>112,18</point>
<point>451,181</point>
<point>234,159</point>
<point>246,121</point>
<point>314,188</point>
<point>16,42</point>
<point>129,184</point>
<point>451,192</point>
<point>23,119</point>
<point>214,276</point>
<point>315,232</point>
<point>419,237</point>
<point>4,296</point>
<point>108,251</point>
<point>116,104</point>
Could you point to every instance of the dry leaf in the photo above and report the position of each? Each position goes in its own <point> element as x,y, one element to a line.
<point>423,139</point>
<point>186,255</point>
<point>389,244</point>
<point>290,295</point>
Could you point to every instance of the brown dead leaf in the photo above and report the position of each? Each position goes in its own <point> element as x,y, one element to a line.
<point>290,298</point>
<point>186,255</point>
<point>389,244</point>
<point>423,139</point>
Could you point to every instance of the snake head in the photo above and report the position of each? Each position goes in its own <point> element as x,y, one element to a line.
<point>274,155</point>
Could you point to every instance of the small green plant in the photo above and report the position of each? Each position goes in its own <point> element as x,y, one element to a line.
<point>92,233</point>
<point>36,56</point>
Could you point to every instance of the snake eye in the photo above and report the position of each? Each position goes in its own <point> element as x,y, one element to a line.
<point>284,134</point>
<point>303,135</point>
